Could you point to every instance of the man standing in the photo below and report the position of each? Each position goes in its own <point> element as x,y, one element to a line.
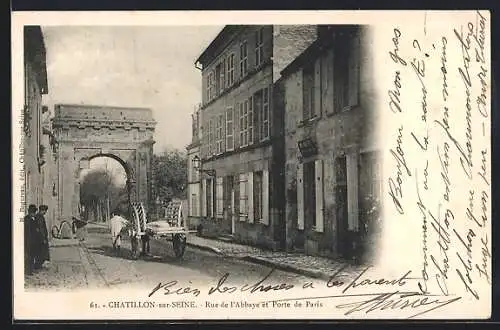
<point>42,253</point>
<point>117,223</point>
<point>29,235</point>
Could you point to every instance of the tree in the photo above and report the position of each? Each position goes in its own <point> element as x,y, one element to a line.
<point>97,190</point>
<point>170,174</point>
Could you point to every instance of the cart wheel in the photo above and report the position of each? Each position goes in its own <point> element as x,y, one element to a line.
<point>55,231</point>
<point>179,242</point>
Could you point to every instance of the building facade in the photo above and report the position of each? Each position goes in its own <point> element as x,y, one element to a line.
<point>241,147</point>
<point>332,161</point>
<point>38,142</point>
<point>193,176</point>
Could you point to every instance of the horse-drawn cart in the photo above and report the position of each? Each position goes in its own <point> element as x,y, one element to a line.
<point>171,227</point>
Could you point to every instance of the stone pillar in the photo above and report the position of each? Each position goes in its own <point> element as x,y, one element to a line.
<point>149,173</point>
<point>67,176</point>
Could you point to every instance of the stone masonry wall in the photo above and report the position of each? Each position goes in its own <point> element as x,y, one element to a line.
<point>335,134</point>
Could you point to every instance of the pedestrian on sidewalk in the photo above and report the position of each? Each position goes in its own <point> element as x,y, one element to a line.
<point>29,235</point>
<point>41,244</point>
<point>117,223</point>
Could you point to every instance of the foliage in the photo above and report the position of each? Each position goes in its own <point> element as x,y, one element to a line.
<point>97,186</point>
<point>170,175</point>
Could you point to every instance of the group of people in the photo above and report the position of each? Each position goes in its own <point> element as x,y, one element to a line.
<point>118,224</point>
<point>36,238</point>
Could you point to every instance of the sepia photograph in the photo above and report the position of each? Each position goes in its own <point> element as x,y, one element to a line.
<point>186,171</point>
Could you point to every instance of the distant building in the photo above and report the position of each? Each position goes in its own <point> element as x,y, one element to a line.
<point>193,177</point>
<point>38,140</point>
<point>241,131</point>
<point>332,159</point>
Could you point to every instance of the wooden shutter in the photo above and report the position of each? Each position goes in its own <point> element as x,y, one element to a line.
<point>300,197</point>
<point>318,169</point>
<point>317,87</point>
<point>354,70</point>
<point>243,197</point>
<point>265,197</point>
<point>352,190</point>
<point>250,197</point>
<point>236,124</point>
<point>204,197</point>
<point>327,82</point>
<point>219,198</point>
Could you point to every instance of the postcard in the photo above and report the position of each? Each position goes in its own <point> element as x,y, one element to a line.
<point>251,165</point>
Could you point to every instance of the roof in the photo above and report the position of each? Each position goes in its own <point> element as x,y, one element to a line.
<point>219,40</point>
<point>322,43</point>
<point>313,50</point>
<point>35,53</point>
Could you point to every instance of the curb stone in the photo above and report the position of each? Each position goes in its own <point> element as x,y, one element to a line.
<point>206,248</point>
<point>90,276</point>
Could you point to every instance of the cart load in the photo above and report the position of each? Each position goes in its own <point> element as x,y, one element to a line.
<point>171,226</point>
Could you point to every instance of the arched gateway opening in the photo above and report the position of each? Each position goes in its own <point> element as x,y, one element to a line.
<point>103,188</point>
<point>84,132</point>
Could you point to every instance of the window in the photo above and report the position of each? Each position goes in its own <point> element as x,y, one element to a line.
<point>221,75</point>
<point>243,59</point>
<point>244,123</point>
<point>346,70</point>
<point>265,115</point>
<point>371,174</point>
<point>243,197</point>
<point>259,46</point>
<point>308,92</point>
<point>230,70</point>
<point>194,206</point>
<point>219,136</point>
<point>211,86</point>
<point>257,195</point>
<point>229,129</point>
<point>309,194</point>
<point>211,147</point>
<point>250,120</point>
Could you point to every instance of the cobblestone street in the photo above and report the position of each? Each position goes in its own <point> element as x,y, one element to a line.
<point>93,263</point>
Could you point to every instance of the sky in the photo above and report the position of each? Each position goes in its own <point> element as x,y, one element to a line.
<point>112,166</point>
<point>143,66</point>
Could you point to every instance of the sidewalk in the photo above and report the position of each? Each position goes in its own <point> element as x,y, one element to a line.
<point>299,263</point>
<point>311,266</point>
<point>68,268</point>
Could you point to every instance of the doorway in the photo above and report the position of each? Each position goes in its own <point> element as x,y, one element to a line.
<point>341,213</point>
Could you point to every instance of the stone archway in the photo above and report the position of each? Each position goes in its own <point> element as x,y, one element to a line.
<point>85,132</point>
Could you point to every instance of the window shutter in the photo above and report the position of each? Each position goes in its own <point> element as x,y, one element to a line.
<point>236,123</point>
<point>212,197</point>
<point>204,197</point>
<point>317,87</point>
<point>318,168</point>
<point>219,192</point>
<point>250,197</point>
<point>327,82</point>
<point>352,191</point>
<point>265,197</point>
<point>300,197</point>
<point>243,197</point>
<point>354,70</point>
<point>270,110</point>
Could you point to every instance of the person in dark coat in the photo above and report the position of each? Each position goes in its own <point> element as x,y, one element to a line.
<point>42,240</point>
<point>29,234</point>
